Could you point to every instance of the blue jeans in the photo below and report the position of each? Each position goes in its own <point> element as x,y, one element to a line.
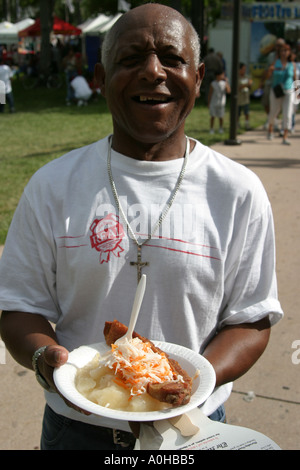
<point>60,433</point>
<point>219,415</point>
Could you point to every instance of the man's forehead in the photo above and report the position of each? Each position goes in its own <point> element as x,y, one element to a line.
<point>157,33</point>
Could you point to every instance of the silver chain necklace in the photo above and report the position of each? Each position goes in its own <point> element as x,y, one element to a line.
<point>139,263</point>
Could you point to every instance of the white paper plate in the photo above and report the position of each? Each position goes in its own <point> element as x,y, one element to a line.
<point>203,385</point>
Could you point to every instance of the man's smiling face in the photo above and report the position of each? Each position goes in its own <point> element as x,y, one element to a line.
<point>151,80</point>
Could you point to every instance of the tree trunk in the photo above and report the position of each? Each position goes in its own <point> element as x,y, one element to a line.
<point>46,18</point>
<point>197,14</point>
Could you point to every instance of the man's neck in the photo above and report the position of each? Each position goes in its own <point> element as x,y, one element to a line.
<point>168,149</point>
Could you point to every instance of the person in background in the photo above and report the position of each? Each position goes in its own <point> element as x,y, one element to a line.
<point>283,74</point>
<point>72,66</point>
<point>219,88</point>
<point>266,78</point>
<point>6,76</point>
<point>295,59</point>
<point>81,90</point>
<point>244,87</point>
<point>213,65</point>
<point>220,55</point>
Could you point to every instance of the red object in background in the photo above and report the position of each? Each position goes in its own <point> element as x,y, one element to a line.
<point>59,27</point>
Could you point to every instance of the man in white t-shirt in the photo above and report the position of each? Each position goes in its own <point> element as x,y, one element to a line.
<point>147,200</point>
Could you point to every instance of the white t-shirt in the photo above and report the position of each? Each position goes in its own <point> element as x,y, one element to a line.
<point>67,254</point>
<point>218,97</point>
<point>81,88</point>
<point>5,76</point>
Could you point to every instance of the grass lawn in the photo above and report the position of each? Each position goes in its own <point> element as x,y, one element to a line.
<point>44,128</point>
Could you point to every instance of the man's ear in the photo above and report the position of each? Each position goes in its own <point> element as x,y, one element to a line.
<point>99,77</point>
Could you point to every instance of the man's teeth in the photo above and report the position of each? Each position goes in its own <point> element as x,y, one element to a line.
<point>149,98</point>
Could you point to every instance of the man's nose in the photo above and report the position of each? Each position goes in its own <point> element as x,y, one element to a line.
<point>152,69</point>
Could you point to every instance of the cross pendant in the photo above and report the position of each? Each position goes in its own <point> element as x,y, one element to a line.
<point>139,263</point>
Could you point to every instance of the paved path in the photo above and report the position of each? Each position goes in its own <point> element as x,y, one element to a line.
<point>267,398</point>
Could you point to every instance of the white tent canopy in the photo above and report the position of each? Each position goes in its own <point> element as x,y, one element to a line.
<point>293,25</point>
<point>95,24</point>
<point>85,24</point>
<point>9,34</point>
<point>99,25</point>
<point>5,25</point>
<point>106,27</point>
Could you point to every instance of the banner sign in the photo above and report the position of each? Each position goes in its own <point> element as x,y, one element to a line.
<point>266,11</point>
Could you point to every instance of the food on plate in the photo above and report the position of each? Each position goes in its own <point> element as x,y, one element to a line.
<point>99,384</point>
<point>174,388</point>
<point>134,375</point>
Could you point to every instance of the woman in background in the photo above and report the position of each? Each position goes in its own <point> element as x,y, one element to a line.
<point>282,77</point>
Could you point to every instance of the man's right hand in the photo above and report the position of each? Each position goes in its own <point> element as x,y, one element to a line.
<point>55,356</point>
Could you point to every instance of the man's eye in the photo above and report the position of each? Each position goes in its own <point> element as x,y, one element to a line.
<point>171,60</point>
<point>129,61</point>
<point>168,60</point>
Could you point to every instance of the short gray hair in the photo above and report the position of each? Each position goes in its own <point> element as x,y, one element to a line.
<point>110,38</point>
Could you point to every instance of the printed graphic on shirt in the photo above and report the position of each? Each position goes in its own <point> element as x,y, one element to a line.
<point>107,236</point>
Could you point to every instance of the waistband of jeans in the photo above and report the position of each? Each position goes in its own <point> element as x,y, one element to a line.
<point>122,438</point>
<point>118,437</point>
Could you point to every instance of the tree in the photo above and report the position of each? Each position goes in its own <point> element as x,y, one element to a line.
<point>46,18</point>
